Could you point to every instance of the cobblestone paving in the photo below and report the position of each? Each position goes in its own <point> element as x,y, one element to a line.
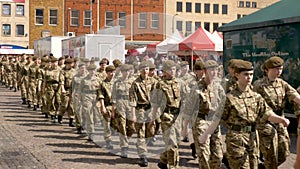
<point>29,141</point>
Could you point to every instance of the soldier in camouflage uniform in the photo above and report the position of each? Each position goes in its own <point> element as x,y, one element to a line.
<point>15,74</point>
<point>51,88</point>
<point>40,83</point>
<point>9,72</point>
<point>230,80</point>
<point>101,70</point>
<point>210,95</point>
<point>244,109</point>
<point>104,95</point>
<point>21,83</point>
<point>171,89</point>
<point>65,82</point>
<point>25,74</point>
<point>32,82</point>
<point>76,96</point>
<point>89,86</point>
<point>274,138</point>
<point>121,108</point>
<point>139,95</point>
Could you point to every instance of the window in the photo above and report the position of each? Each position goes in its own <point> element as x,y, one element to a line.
<point>198,7</point>
<point>109,19</point>
<point>188,7</point>
<point>239,16</point>
<point>215,26</point>
<point>6,9</point>
<point>122,19</point>
<point>87,18</point>
<point>188,28</point>
<point>53,17</point>
<point>39,16</point>
<point>248,4</point>
<point>254,5</point>
<point>75,18</point>
<point>142,20</point>
<point>20,30</point>
<point>206,8</point>
<point>224,9</point>
<point>154,20</point>
<point>216,8</point>
<point>6,29</point>
<point>179,6</point>
<point>197,25</point>
<point>179,25</point>
<point>20,10</point>
<point>206,26</point>
<point>241,4</point>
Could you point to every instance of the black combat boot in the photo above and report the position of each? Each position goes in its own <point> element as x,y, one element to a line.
<point>162,165</point>
<point>34,108</point>
<point>194,154</point>
<point>143,162</point>
<point>37,106</point>
<point>15,90</point>
<point>59,119</point>
<point>10,88</point>
<point>71,124</point>
<point>24,101</point>
<point>29,106</point>
<point>79,130</point>
<point>52,119</point>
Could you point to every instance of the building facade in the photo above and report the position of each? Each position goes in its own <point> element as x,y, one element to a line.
<point>188,15</point>
<point>46,19</point>
<point>14,23</point>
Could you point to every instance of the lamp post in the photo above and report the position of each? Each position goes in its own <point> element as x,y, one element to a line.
<point>173,22</point>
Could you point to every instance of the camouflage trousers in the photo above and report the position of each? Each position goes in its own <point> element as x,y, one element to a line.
<point>51,100</point>
<point>143,131</point>
<point>242,149</point>
<point>88,113</point>
<point>210,153</point>
<point>66,105</point>
<point>77,111</point>
<point>23,89</point>
<point>274,144</point>
<point>106,121</point>
<point>32,94</point>
<point>171,129</point>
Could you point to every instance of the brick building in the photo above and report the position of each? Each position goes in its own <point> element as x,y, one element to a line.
<point>46,19</point>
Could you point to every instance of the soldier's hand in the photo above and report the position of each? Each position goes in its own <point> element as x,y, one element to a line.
<point>112,116</point>
<point>103,110</point>
<point>285,122</point>
<point>150,125</point>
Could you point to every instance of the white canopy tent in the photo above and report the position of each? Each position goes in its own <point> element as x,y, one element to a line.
<point>170,43</point>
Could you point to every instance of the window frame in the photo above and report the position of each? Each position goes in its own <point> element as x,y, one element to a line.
<point>179,22</point>
<point>142,20</point>
<point>53,17</point>
<point>74,18</point>
<point>214,25</point>
<point>3,30</point>
<point>224,12</point>
<point>207,8</point>
<point>3,10</point>
<point>178,7</point>
<point>109,22</point>
<point>215,10</point>
<point>207,24</point>
<point>154,21</point>
<point>188,24</point>
<point>122,19</point>
<point>23,12</point>
<point>86,18</point>
<point>254,4</point>
<point>241,4</point>
<point>196,9</point>
<point>188,7</point>
<point>40,17</point>
<point>196,26</point>
<point>17,34</point>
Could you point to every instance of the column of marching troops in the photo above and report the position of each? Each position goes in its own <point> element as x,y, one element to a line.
<point>128,98</point>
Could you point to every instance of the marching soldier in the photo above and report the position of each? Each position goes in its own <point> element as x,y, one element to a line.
<point>40,83</point>
<point>65,82</point>
<point>139,95</point>
<point>89,86</point>
<point>172,90</point>
<point>104,95</point>
<point>51,88</point>
<point>25,74</point>
<point>21,83</point>
<point>101,70</point>
<point>32,82</point>
<point>79,121</point>
<point>121,108</point>
<point>274,138</point>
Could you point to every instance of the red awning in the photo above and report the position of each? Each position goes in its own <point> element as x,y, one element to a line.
<point>197,41</point>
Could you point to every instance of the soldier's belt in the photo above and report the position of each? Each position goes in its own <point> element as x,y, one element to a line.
<point>172,110</point>
<point>239,128</point>
<point>201,116</point>
<point>143,106</point>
